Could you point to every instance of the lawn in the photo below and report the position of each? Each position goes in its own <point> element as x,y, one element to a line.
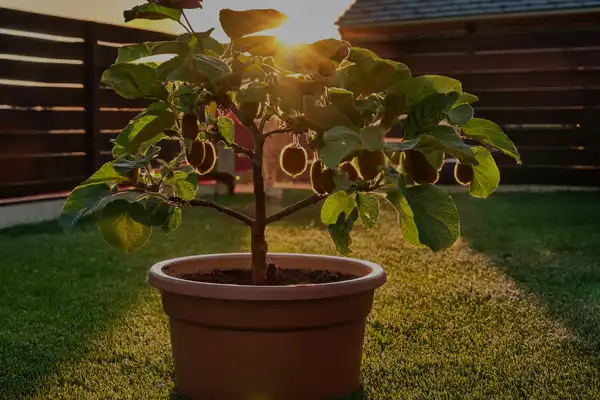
<point>511,311</point>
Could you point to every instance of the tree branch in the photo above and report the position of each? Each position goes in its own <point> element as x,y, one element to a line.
<point>241,150</point>
<point>232,213</point>
<point>248,123</point>
<point>314,199</point>
<point>279,130</point>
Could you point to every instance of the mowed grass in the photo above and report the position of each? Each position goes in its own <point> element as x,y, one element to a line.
<point>511,311</point>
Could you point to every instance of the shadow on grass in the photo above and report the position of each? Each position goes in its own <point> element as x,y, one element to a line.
<point>550,245</point>
<point>58,290</point>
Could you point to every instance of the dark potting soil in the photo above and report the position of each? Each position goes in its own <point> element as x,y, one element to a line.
<point>283,276</point>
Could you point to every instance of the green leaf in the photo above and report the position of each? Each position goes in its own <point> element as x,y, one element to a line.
<point>369,73</point>
<point>343,100</point>
<point>142,129</point>
<point>340,142</point>
<point>166,68</point>
<point>147,49</point>
<point>340,231</point>
<point>241,23</point>
<point>151,11</point>
<point>466,98</point>
<point>158,211</point>
<point>427,113</point>
<point>368,209</point>
<point>226,128</point>
<point>460,114</point>
<point>82,200</point>
<point>326,118</point>
<point>174,220</point>
<point>125,225</point>
<point>446,139</point>
<point>491,134</point>
<point>212,68</point>
<point>443,138</point>
<point>106,174</point>
<point>373,138</point>
<point>333,49</point>
<point>486,175</point>
<point>406,218</point>
<point>261,46</point>
<point>435,216</point>
<point>202,42</point>
<point>185,184</point>
<point>134,81</point>
<point>336,204</point>
<point>416,89</point>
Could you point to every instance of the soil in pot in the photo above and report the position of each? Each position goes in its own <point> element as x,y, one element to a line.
<point>282,276</point>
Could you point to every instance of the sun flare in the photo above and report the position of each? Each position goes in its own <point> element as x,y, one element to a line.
<point>293,33</point>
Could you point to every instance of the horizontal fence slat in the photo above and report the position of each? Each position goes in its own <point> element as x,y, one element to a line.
<point>555,137</point>
<point>109,98</point>
<point>539,98</point>
<point>125,35</point>
<point>38,188</point>
<point>43,96</point>
<point>41,72</point>
<point>106,56</point>
<point>584,117</point>
<point>115,120</point>
<point>522,175</point>
<point>40,23</point>
<point>483,42</point>
<point>553,156</point>
<point>41,168</point>
<point>447,64</point>
<point>516,80</point>
<point>20,120</point>
<point>40,143</point>
<point>34,47</point>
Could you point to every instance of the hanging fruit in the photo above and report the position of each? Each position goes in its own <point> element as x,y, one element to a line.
<point>293,159</point>
<point>463,173</point>
<point>370,164</point>
<point>189,126</point>
<point>316,176</point>
<point>210,159</point>
<point>349,169</point>
<point>327,180</point>
<point>196,153</point>
<point>417,166</point>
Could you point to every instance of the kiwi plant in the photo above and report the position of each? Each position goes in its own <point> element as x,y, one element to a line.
<point>344,99</point>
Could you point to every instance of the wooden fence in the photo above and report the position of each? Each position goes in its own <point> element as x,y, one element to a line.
<point>56,121</point>
<point>539,79</point>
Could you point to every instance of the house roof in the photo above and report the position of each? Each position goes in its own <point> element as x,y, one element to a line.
<point>368,12</point>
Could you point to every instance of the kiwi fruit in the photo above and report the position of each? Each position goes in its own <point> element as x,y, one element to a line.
<point>417,166</point>
<point>463,173</point>
<point>370,163</point>
<point>327,182</point>
<point>349,169</point>
<point>189,126</point>
<point>196,153</point>
<point>210,159</point>
<point>293,160</point>
<point>316,176</point>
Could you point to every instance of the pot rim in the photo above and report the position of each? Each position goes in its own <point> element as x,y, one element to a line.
<point>160,280</point>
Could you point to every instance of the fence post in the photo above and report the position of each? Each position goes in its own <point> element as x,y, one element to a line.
<point>92,107</point>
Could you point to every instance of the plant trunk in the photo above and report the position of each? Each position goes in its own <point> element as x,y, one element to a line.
<point>258,243</point>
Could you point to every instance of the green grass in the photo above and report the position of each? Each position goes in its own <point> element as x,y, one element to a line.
<point>511,311</point>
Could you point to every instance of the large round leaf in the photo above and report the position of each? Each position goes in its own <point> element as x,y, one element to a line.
<point>125,225</point>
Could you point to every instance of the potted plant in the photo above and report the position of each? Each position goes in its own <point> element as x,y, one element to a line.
<point>279,326</point>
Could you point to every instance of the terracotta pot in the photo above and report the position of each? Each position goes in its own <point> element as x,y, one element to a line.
<point>234,342</point>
